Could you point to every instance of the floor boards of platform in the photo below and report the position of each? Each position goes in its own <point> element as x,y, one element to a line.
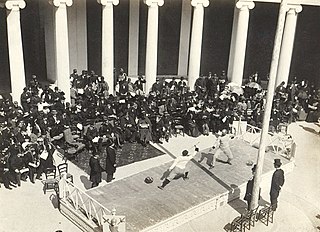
<point>145,205</point>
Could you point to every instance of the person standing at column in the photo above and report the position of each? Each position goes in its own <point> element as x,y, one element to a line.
<point>179,167</point>
<point>276,184</point>
<point>95,170</point>
<point>111,161</point>
<point>249,188</point>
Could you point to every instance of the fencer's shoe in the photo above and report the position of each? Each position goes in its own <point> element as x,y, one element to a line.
<point>185,178</point>
<point>160,187</point>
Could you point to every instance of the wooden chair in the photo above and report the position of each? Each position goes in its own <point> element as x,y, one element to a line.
<point>244,221</point>
<point>237,225</point>
<point>51,179</point>
<point>63,170</point>
<point>265,215</point>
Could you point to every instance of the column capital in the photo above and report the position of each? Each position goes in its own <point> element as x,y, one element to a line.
<point>151,2</point>
<point>204,3</point>
<point>294,8</point>
<point>57,3</point>
<point>15,5</point>
<point>241,5</point>
<point>108,2</point>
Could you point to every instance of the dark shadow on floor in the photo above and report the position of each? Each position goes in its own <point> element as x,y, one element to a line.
<point>213,176</point>
<point>85,181</point>
<point>54,200</point>
<point>263,203</point>
<point>311,130</point>
<point>239,205</point>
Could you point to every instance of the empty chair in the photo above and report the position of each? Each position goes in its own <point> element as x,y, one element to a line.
<point>63,170</point>
<point>244,221</point>
<point>266,215</point>
<point>51,180</point>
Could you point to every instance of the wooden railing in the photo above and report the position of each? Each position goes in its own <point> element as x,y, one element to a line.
<point>281,144</point>
<point>82,203</point>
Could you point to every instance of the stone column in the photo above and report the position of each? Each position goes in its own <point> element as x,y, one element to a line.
<point>185,28</point>
<point>196,41</point>
<point>232,42</point>
<point>152,42</point>
<point>241,41</point>
<point>287,43</point>
<point>133,53</point>
<point>16,60</point>
<point>46,12</point>
<point>107,42</point>
<point>62,46</point>
<point>77,24</point>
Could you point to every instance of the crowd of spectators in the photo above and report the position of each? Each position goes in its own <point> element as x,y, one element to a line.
<point>30,133</point>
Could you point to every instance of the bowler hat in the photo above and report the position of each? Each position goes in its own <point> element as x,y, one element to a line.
<point>277,162</point>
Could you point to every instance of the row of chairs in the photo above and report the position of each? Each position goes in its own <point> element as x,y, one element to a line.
<point>52,179</point>
<point>249,218</point>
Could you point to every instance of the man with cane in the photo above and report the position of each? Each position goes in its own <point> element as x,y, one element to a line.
<point>178,168</point>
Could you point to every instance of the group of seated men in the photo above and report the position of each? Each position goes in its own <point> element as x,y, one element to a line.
<point>95,116</point>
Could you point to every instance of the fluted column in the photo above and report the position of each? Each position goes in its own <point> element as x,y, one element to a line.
<point>16,60</point>
<point>233,41</point>
<point>287,43</point>
<point>77,25</point>
<point>108,42</point>
<point>133,53</point>
<point>152,42</point>
<point>62,45</point>
<point>196,41</point>
<point>241,41</point>
<point>185,28</point>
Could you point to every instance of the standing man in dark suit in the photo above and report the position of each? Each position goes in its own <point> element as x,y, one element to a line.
<point>249,188</point>
<point>276,183</point>
<point>111,161</point>
<point>95,170</point>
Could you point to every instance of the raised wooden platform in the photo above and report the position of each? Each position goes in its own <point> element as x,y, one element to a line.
<point>148,208</point>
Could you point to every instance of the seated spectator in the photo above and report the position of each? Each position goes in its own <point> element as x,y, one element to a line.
<point>145,129</point>
<point>139,85</point>
<point>129,128</point>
